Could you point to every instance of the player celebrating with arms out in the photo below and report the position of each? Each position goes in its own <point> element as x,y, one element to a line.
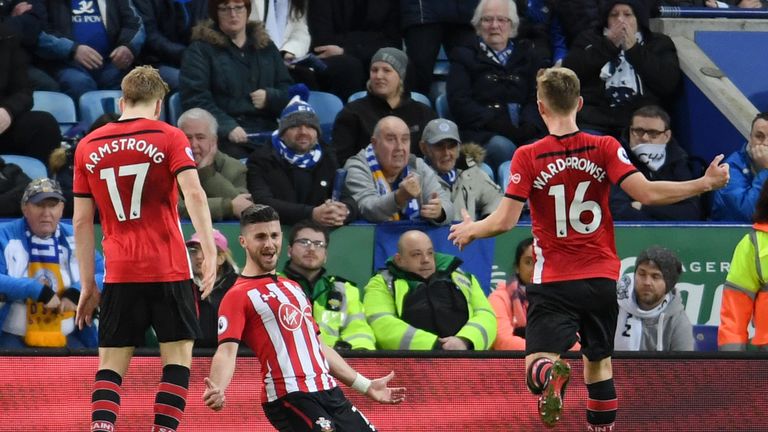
<point>130,169</point>
<point>273,316</point>
<point>567,178</point>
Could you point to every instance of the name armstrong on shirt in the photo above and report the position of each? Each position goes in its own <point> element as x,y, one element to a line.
<point>124,144</point>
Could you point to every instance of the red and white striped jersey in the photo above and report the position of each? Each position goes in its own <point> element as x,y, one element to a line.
<point>273,316</point>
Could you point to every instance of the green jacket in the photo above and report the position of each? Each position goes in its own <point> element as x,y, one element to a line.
<point>386,301</point>
<point>222,180</point>
<point>337,310</point>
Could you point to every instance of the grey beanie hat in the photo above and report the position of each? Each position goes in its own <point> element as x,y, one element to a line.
<point>298,113</point>
<point>665,260</point>
<point>394,57</point>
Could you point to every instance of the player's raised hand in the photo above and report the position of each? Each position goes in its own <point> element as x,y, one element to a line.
<point>718,173</point>
<point>379,391</point>
<point>89,300</point>
<point>461,233</point>
<point>213,396</point>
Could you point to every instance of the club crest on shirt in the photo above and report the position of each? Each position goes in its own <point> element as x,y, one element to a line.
<point>290,316</point>
<point>223,324</point>
<point>325,424</point>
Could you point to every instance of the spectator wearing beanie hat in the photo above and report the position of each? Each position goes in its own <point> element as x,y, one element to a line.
<point>295,174</point>
<point>354,125</point>
<point>651,313</point>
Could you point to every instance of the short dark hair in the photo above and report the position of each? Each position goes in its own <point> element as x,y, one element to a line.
<point>308,224</point>
<point>520,250</point>
<point>653,111</point>
<point>258,213</point>
<point>760,116</point>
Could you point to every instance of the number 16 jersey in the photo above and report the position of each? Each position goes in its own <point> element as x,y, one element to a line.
<point>129,168</point>
<point>567,181</point>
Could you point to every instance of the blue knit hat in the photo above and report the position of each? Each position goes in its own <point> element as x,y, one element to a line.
<point>298,113</point>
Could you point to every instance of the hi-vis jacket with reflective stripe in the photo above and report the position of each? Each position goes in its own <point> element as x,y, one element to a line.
<point>745,296</point>
<point>384,298</point>
<point>337,310</point>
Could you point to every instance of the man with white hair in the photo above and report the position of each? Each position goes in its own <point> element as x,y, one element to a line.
<point>222,176</point>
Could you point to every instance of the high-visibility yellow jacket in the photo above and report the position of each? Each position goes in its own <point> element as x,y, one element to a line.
<point>745,296</point>
<point>337,310</point>
<point>384,301</point>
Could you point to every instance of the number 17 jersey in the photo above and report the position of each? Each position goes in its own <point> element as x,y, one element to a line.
<point>567,181</point>
<point>129,168</point>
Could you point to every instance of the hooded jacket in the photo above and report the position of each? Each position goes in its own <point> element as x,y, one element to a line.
<point>473,190</point>
<point>671,330</point>
<point>654,60</point>
<point>218,76</point>
<point>676,168</point>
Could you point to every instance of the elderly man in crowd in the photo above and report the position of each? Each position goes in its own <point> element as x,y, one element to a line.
<point>422,300</point>
<point>471,189</point>
<point>222,176</point>
<point>295,173</point>
<point>388,183</point>
<point>39,278</point>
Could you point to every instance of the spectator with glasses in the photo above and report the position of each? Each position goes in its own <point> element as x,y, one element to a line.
<point>336,304</point>
<point>656,154</point>
<point>234,71</point>
<point>492,83</point>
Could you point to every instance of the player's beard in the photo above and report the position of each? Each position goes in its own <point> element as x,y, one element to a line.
<point>263,263</point>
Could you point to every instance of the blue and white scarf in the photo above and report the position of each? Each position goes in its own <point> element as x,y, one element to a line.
<point>500,57</point>
<point>306,160</point>
<point>622,83</point>
<point>411,210</point>
<point>449,177</point>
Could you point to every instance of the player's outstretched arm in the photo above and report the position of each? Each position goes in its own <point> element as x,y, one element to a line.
<point>222,369</point>
<point>375,389</point>
<point>503,219</point>
<point>197,207</point>
<point>669,192</point>
<point>82,220</point>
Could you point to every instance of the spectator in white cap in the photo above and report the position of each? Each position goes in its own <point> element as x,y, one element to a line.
<point>38,266</point>
<point>354,125</point>
<point>226,275</point>
<point>470,188</point>
<point>295,175</point>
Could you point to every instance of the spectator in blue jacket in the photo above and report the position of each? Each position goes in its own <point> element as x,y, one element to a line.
<point>90,47</point>
<point>749,171</point>
<point>39,277</point>
<point>656,154</point>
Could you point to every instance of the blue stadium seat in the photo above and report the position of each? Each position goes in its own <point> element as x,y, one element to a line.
<point>705,338</point>
<point>418,97</point>
<point>487,168</point>
<point>174,108</point>
<point>441,106</point>
<point>442,65</point>
<point>326,105</point>
<point>95,103</point>
<point>60,105</point>
<point>504,175</point>
<point>32,167</point>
